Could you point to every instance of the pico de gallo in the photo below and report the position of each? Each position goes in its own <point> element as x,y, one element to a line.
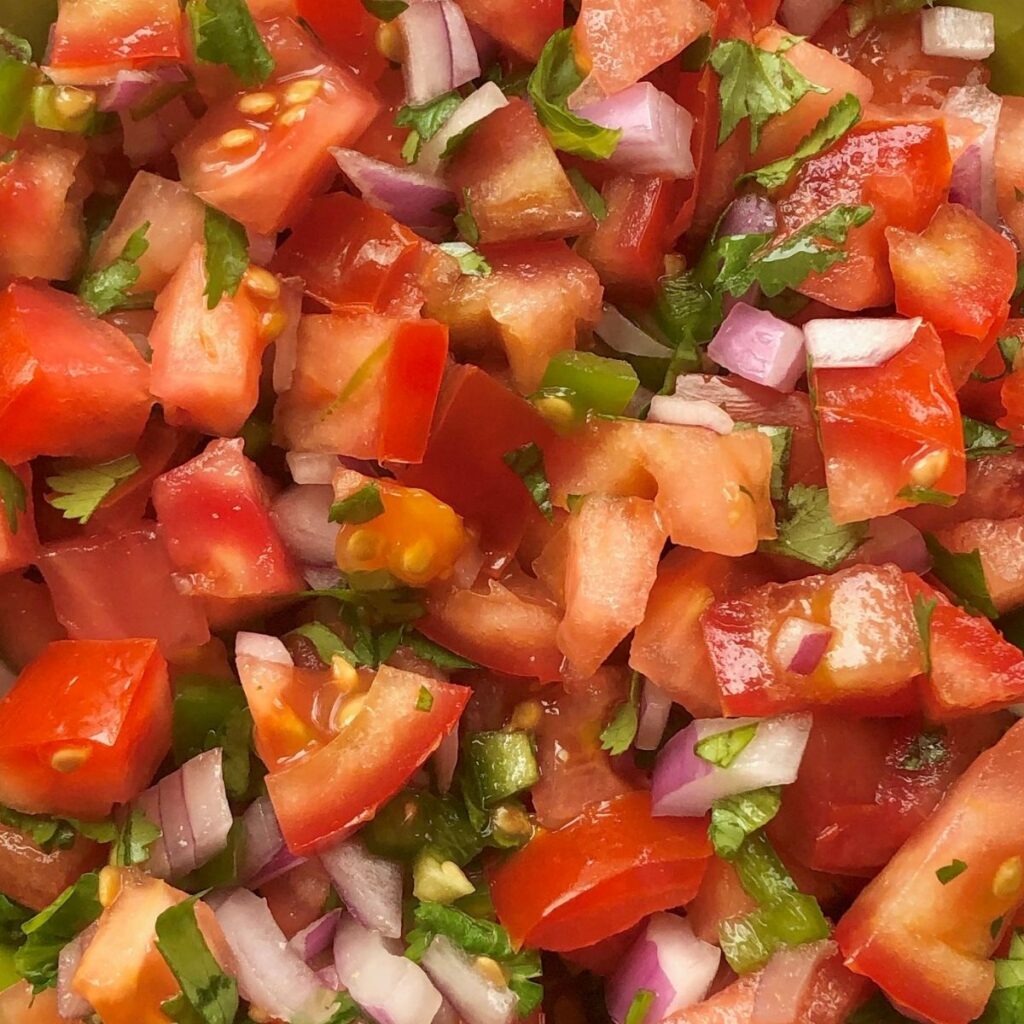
<point>511,510</point>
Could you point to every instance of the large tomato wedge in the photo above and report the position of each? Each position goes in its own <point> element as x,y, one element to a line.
<point>557,893</point>
<point>85,727</point>
<point>927,941</point>
<point>35,878</point>
<point>328,793</point>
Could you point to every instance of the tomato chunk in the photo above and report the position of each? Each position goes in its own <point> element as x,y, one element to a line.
<point>59,365</point>
<point>19,544</point>
<point>925,943</point>
<point>34,878</point>
<point>85,727</point>
<point>347,30</point>
<point>27,621</point>
<point>1010,163</point>
<point>522,27</point>
<point>556,894</point>
<point>999,546</point>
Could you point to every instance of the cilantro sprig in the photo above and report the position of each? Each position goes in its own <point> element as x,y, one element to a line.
<point>110,288</point>
<point>527,462</point>
<point>618,735</point>
<point>223,32</point>
<point>227,256</point>
<point>79,492</point>
<point>809,533</point>
<point>12,496</point>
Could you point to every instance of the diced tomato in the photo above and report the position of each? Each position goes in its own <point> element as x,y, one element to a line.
<point>59,365</point>
<point>18,545</point>
<point>784,132</point>
<point>522,27</point>
<point>668,645</point>
<point>298,897</point>
<point>27,621</point>
<point>508,626</point>
<point>865,785</point>
<point>890,434</point>
<point>215,520</point>
<point>348,32</point>
<point>1011,388</point>
<point>925,943</point>
<point>175,219</point>
<point>720,504</point>
<point>762,11</point>
<point>614,547</point>
<point>534,303</point>
<point>556,894</point>
<point>41,229</point>
<point>734,1004</point>
<point>872,657</point>
<point>20,1005</point>
<point>85,727</point>
<point>34,878</point>
<point>326,795</point>
<point>265,175</point>
<point>896,164</point>
<point>721,896</point>
<point>349,254</point>
<point>618,42</point>
<point>575,770</point>
<point>478,421</point>
<point>1000,545</point>
<point>89,45</point>
<point>384,140</point>
<point>121,586</point>
<point>507,175</point>
<point>1010,163</point>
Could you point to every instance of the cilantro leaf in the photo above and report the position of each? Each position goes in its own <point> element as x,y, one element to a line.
<point>809,533</point>
<point>18,80</point>
<point>208,995</point>
<point>430,118</point>
<point>14,47</point>
<point>722,748</point>
<point>640,1007</point>
<point>465,222</point>
<point>472,262</point>
<point>227,256</point>
<point>924,751</point>
<point>964,574</point>
<point>527,462</point>
<point>12,917</point>
<point>326,641</point>
<point>825,134</point>
<point>926,496</point>
<point>619,733</point>
<point>437,655</point>
<point>781,440</point>
<point>589,196</point>
<point>12,495</point>
<point>981,439</point>
<point>360,507</point>
<point>51,834</point>
<point>877,1010</point>
<point>924,608</point>
<point>53,928</point>
<point>134,838</point>
<point>755,84</point>
<point>108,289</point>
<point>81,491</point>
<point>553,80</point>
<point>223,32</point>
<point>733,818</point>
<point>863,13</point>
<point>425,700</point>
<point>476,936</point>
<point>386,10</point>
<point>950,871</point>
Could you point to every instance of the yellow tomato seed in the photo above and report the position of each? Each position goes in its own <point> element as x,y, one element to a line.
<point>69,759</point>
<point>262,283</point>
<point>302,91</point>
<point>256,103</point>
<point>237,138</point>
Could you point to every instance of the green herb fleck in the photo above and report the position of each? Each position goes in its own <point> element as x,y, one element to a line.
<point>361,507</point>
<point>12,494</point>
<point>618,735</point>
<point>227,256</point>
<point>386,10</point>
<point>925,751</point>
<point>223,32</point>
<point>589,196</point>
<point>733,818</point>
<point>981,439</point>
<point>108,289</point>
<point>472,262</point>
<point>80,491</point>
<point>640,1007</point>
<point>527,462</point>
<point>722,748</point>
<point>809,532</point>
<point>964,574</point>
<point>425,700</point>
<point>953,870</point>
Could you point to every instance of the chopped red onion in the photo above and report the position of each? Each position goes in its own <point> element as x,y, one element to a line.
<point>446,760</point>
<point>686,412</point>
<point>685,785</point>
<point>656,131</point>
<point>800,644</point>
<point>621,334</point>
<point>974,174</point>
<point>266,854</point>
<point>893,541</point>
<point>262,648</point>
<point>158,865</point>
<point>312,467</point>
<point>70,1005</point>
<point>655,706</point>
<point>760,347</point>
<point>371,887</point>
<point>130,88</point>
<point>314,939</point>
<point>270,974</point>
<point>387,985</point>
<point>805,17</point>
<point>749,215</point>
<point>301,515</point>
<point>321,577</point>
<point>474,108</point>
<point>408,195</point>
<point>668,960</point>
<point>177,839</point>
<point>954,32</point>
<point>786,981</point>
<point>852,342</point>
<point>261,247</point>
<point>476,999</point>
<point>439,50</point>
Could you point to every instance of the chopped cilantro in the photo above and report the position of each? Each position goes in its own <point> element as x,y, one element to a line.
<point>981,439</point>
<point>12,495</point>
<point>619,733</point>
<point>466,223</point>
<point>925,751</point>
<point>12,917</point>
<point>425,122</point>
<point>722,748</point>
<point>327,643</point>
<point>227,256</point>
<point>81,491</point>
<point>471,261</point>
<point>51,834</point>
<point>964,574</point>
<point>640,1007</point>
<point>527,463</point>
<point>781,439</point>
<point>437,655</point>
<point>924,608</point>
<point>589,196</point>
<point>134,838</point>
<point>950,871</point>
<point>386,10</point>
<point>733,818</point>
<point>108,289</point>
<point>361,507</point>
<point>18,79</point>
<point>926,496</point>
<point>425,700</point>
<point>223,32</point>
<point>809,533</point>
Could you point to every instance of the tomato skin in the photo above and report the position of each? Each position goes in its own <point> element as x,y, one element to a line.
<point>27,620</point>
<point>870,669</point>
<point>509,176</point>
<point>1002,558</point>
<point>327,794</point>
<point>19,547</point>
<point>121,721</point>
<point>266,184</point>
<point>347,31</point>
<point>599,874</point>
<point>33,878</point>
<point>522,27</point>
<point>927,945</point>
<point>58,365</point>
<point>720,897</point>
<point>890,428</point>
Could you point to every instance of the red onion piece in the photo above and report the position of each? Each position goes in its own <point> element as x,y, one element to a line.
<point>261,247</point>
<point>178,839</point>
<point>621,334</point>
<point>655,705</point>
<point>974,174</point>
<point>800,644</point>
<point>387,985</point>
<point>312,467</point>
<point>314,939</point>
<point>70,1005</point>
<point>270,974</point>
<point>805,17</point>
<point>954,32</point>
<point>686,785</point>
<point>786,980</point>
<point>687,412</point>
<point>321,577</point>
<point>656,131</point>
<point>148,802</point>
<point>446,760</point>
<point>474,108</point>
<point>371,887</point>
<point>668,960</point>
<point>476,999</point>
<point>439,51</point>
<point>893,541</point>
<point>266,854</point>
<point>852,342</point>
<point>130,88</point>
<point>262,648</point>
<point>408,195</point>
<point>301,515</point>
<point>207,801</point>
<point>749,215</point>
<point>760,347</point>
